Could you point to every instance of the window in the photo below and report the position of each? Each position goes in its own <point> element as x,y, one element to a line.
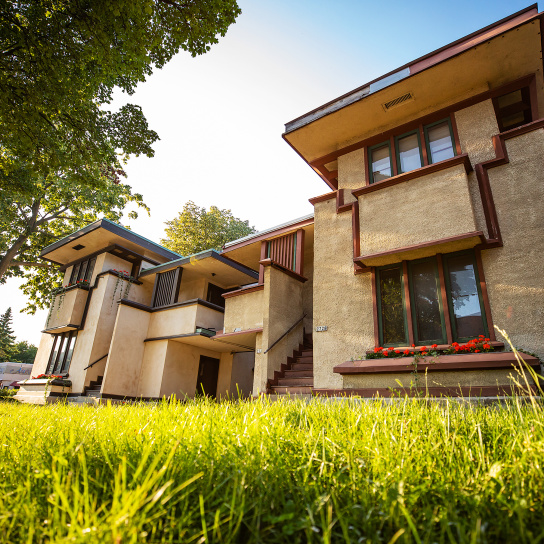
<point>513,109</point>
<point>410,152</point>
<point>61,354</point>
<point>410,301</point>
<point>83,270</point>
<point>214,295</point>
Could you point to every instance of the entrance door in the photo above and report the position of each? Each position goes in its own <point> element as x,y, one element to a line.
<point>208,372</point>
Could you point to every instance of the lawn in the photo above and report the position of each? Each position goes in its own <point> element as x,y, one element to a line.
<point>345,471</point>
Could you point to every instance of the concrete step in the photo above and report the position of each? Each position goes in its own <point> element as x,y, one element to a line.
<point>307,353</point>
<point>295,381</point>
<point>294,390</point>
<point>297,373</point>
<point>302,366</point>
<point>92,393</point>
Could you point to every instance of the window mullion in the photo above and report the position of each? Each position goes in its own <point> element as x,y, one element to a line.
<point>445,302</point>
<point>407,304</point>
<point>423,146</point>
<point>393,155</point>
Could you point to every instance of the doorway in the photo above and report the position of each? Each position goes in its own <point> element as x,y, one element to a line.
<point>208,373</point>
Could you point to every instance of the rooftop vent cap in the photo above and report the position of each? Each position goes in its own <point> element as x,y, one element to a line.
<point>398,101</point>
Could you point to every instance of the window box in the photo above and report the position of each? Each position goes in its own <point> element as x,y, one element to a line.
<point>67,309</point>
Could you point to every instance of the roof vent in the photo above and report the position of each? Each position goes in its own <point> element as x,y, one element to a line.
<point>398,101</point>
<point>78,247</point>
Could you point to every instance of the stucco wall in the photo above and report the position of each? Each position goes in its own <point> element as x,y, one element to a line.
<point>152,370</point>
<point>192,289</point>
<point>476,125</point>
<point>183,320</point>
<point>42,355</point>
<point>514,273</point>
<point>67,309</point>
<point>308,287</point>
<point>282,302</point>
<point>351,173</point>
<point>122,374</point>
<point>429,208</point>
<point>342,300</point>
<point>454,378</point>
<point>244,311</point>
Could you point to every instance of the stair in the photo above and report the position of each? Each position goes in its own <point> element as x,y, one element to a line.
<point>94,388</point>
<point>296,377</point>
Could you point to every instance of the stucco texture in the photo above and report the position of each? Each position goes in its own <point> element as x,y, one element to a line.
<point>342,300</point>
<point>244,311</point>
<point>476,125</point>
<point>283,308</point>
<point>473,378</point>
<point>514,273</point>
<point>67,309</point>
<point>351,173</point>
<point>183,320</point>
<point>420,210</point>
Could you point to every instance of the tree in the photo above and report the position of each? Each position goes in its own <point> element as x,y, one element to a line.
<point>7,338</point>
<point>196,229</point>
<point>61,150</point>
<point>24,352</point>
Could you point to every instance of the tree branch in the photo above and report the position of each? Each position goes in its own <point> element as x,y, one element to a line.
<point>29,263</point>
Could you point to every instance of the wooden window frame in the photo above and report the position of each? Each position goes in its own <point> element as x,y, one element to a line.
<point>526,104</point>
<point>54,362</point>
<point>379,303</point>
<point>426,135</point>
<point>397,152</point>
<point>369,155</point>
<point>82,267</point>
<point>444,300</point>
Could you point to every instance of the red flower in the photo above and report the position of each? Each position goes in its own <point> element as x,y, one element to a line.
<point>413,345</point>
<point>434,346</point>
<point>406,352</point>
<point>457,348</point>
<point>397,352</point>
<point>423,348</point>
<point>487,346</point>
<point>476,351</point>
<point>376,350</point>
<point>386,353</point>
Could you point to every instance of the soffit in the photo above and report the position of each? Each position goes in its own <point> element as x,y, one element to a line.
<point>96,240</point>
<point>504,58</point>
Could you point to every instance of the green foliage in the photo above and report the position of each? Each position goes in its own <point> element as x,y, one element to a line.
<point>24,352</point>
<point>7,338</point>
<point>196,229</point>
<point>61,149</point>
<point>281,472</point>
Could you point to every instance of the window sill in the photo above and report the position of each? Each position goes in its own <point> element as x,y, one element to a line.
<point>417,173</point>
<point>470,361</point>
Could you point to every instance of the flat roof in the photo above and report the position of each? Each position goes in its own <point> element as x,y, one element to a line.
<point>116,229</point>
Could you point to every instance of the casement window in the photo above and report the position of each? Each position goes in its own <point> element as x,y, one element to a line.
<point>214,295</point>
<point>513,109</point>
<point>83,271</point>
<point>418,300</point>
<point>428,144</point>
<point>61,353</point>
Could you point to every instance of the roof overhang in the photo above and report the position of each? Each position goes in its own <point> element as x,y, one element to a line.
<point>99,235</point>
<point>247,250</point>
<point>217,268</point>
<point>491,57</point>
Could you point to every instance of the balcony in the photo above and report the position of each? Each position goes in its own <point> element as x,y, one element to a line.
<point>417,214</point>
<point>244,309</point>
<point>67,308</point>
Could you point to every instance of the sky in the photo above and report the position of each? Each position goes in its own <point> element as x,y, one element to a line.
<point>220,116</point>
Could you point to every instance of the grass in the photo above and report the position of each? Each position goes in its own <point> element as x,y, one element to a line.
<point>282,472</point>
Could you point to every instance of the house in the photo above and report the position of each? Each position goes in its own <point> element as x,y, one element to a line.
<point>11,373</point>
<point>430,234</point>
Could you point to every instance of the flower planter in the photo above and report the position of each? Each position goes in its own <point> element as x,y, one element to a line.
<point>43,391</point>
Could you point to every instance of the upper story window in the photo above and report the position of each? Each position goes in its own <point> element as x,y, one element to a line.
<point>513,109</point>
<point>61,354</point>
<point>83,270</point>
<point>425,145</point>
<point>411,303</point>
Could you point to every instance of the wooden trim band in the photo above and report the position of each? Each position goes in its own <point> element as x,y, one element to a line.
<point>278,266</point>
<point>431,243</point>
<point>243,291</point>
<point>423,392</point>
<point>469,361</point>
<point>417,173</point>
<point>173,336</point>
<point>149,309</point>
<point>221,335</point>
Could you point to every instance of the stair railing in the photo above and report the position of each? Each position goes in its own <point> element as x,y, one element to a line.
<point>285,333</point>
<point>97,361</point>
